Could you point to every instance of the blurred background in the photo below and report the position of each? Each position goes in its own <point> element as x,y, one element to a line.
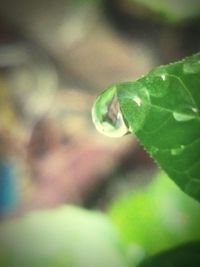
<point>55,57</point>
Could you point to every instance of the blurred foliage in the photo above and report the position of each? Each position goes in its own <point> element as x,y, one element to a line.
<point>184,256</point>
<point>173,10</point>
<point>157,216</point>
<point>170,11</point>
<point>67,236</point>
<point>87,1</point>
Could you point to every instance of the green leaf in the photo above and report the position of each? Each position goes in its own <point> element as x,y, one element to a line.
<point>182,256</point>
<point>162,110</point>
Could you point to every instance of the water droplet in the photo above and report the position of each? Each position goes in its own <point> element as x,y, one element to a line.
<point>182,117</point>
<point>186,114</point>
<point>107,116</point>
<point>137,100</point>
<point>177,151</point>
<point>192,66</point>
<point>157,84</point>
<point>195,110</point>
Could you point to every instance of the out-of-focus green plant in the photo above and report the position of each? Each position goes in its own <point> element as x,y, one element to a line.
<point>64,237</point>
<point>172,11</point>
<point>156,217</point>
<point>87,1</point>
<point>169,11</point>
<point>183,256</point>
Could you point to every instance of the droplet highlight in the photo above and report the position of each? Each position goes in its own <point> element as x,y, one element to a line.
<point>107,116</point>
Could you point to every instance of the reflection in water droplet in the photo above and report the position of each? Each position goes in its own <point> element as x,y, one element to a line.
<point>183,117</point>
<point>192,67</point>
<point>177,151</point>
<point>107,116</point>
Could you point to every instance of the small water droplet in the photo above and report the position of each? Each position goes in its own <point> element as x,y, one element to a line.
<point>192,66</point>
<point>107,116</point>
<point>187,115</point>
<point>177,151</point>
<point>137,100</point>
<point>157,84</point>
<point>182,117</point>
<point>195,110</point>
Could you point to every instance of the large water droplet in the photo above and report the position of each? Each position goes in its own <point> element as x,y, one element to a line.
<point>107,116</point>
<point>192,66</point>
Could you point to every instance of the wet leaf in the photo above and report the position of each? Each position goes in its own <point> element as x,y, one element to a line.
<point>162,110</point>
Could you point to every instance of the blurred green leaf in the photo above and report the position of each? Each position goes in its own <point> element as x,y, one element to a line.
<point>156,217</point>
<point>67,236</point>
<point>183,256</point>
<point>162,110</point>
<point>173,10</point>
